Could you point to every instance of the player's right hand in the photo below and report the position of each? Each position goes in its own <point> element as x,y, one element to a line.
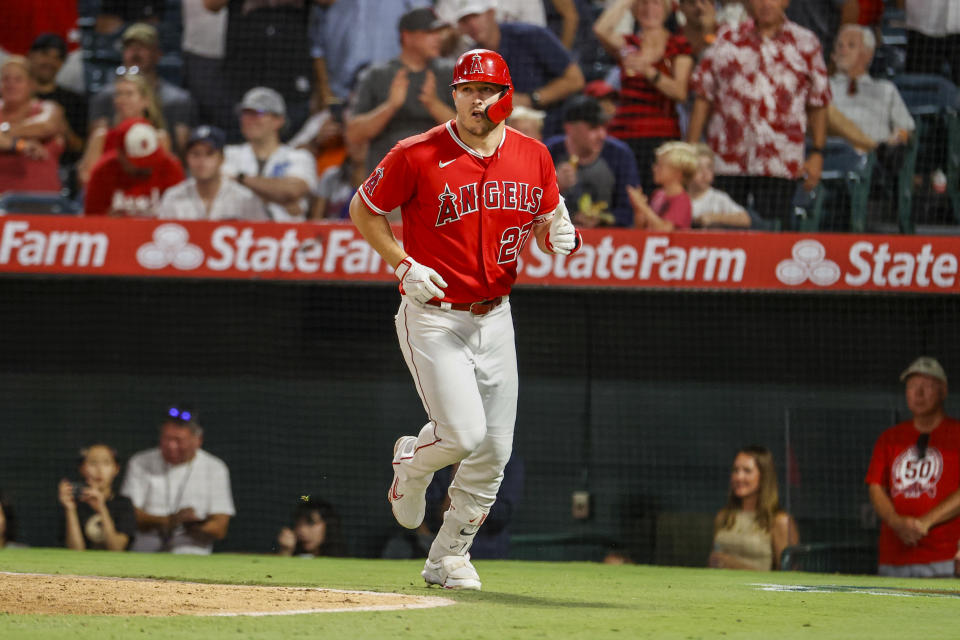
<point>419,283</point>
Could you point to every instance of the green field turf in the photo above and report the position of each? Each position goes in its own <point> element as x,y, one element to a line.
<point>519,600</point>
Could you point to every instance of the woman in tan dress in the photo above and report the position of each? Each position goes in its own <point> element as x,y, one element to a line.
<point>752,531</point>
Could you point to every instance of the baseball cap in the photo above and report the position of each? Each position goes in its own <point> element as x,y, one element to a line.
<point>526,113</point>
<point>213,136</point>
<point>46,41</point>
<point>264,99</point>
<point>927,366</point>
<point>599,89</point>
<point>141,32</point>
<point>463,8</point>
<point>423,19</point>
<point>583,108</point>
<point>140,143</point>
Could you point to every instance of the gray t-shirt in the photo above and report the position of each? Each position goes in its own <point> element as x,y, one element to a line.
<point>373,87</point>
<point>177,105</point>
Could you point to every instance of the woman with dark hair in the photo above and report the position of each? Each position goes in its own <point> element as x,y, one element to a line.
<point>316,531</point>
<point>752,531</point>
<point>94,516</point>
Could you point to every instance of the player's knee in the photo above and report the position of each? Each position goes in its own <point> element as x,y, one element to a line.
<point>468,441</point>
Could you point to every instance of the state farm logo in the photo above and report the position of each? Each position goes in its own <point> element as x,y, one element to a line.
<point>170,246</point>
<point>808,263</point>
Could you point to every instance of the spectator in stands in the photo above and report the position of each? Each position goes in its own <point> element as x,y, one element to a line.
<point>407,95</point>
<point>267,45</point>
<point>141,53</point>
<point>527,121</point>
<point>874,106</point>
<point>752,531</point>
<point>8,523</point>
<point>712,207</point>
<point>47,55</point>
<point>94,517</point>
<point>669,207</point>
<point>606,95</point>
<point>544,73</point>
<point>335,188</point>
<point>594,170</point>
<point>654,72</point>
<point>824,17</point>
<point>204,47</point>
<point>933,37</point>
<point>133,97</point>
<point>699,20</point>
<point>345,37</point>
<point>207,194</point>
<point>180,492</point>
<point>114,14</point>
<point>916,465</point>
<point>31,132</point>
<point>323,136</point>
<point>315,532</point>
<point>528,12</point>
<point>129,179</point>
<point>279,175</point>
<point>756,123</point>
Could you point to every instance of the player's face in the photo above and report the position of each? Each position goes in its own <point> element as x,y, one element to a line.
<point>469,98</point>
<point>925,394</point>
<point>204,161</point>
<point>745,476</point>
<point>99,467</point>
<point>178,444</point>
<point>311,532</point>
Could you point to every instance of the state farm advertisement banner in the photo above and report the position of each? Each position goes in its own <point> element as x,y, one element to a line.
<point>609,258</point>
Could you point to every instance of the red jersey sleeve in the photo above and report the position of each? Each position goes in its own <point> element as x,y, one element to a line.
<point>391,183</point>
<point>551,193</point>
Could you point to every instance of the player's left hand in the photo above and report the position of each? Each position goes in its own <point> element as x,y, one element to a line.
<point>562,236</point>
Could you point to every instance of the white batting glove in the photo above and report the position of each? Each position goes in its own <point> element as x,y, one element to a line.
<point>562,238</point>
<point>419,283</point>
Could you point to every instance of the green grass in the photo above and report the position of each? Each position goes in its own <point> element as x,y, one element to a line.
<point>519,600</point>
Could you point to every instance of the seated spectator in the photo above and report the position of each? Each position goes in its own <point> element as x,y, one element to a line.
<point>760,143</point>
<point>874,106</point>
<point>527,121</point>
<point>8,524</point>
<point>207,194</point>
<point>129,179</point>
<point>47,55</point>
<point>752,531</point>
<point>315,532</point>
<point>180,492</point>
<point>654,73</point>
<point>335,188</point>
<point>323,136</point>
<point>407,95</point>
<point>914,468</point>
<point>141,53</point>
<point>669,207</point>
<point>279,175</point>
<point>132,98</point>
<point>593,169</point>
<point>544,73</point>
<point>712,207</point>
<point>94,517</point>
<point>606,95</point>
<point>31,132</point>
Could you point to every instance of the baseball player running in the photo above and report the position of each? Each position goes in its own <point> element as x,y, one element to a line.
<point>470,192</point>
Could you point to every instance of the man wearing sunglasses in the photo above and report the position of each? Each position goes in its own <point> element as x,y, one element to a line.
<point>180,493</point>
<point>914,468</point>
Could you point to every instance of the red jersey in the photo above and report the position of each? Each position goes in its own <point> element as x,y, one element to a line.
<point>114,191</point>
<point>464,215</point>
<point>917,485</point>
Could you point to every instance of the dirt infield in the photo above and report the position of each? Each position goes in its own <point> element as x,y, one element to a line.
<point>22,593</point>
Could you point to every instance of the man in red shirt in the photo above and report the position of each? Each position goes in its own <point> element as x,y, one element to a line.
<point>470,192</point>
<point>129,179</point>
<point>915,467</point>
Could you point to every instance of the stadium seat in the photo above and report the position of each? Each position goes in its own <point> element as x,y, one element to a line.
<point>29,202</point>
<point>830,557</point>
<point>683,539</point>
<point>845,178</point>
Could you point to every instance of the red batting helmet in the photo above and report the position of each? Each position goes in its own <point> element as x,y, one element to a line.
<point>483,65</point>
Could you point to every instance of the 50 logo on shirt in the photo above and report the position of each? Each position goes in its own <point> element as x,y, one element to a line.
<point>912,476</point>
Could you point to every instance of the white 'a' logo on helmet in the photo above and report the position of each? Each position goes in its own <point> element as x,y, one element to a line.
<point>476,67</point>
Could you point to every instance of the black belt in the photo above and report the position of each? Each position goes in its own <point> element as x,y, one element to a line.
<point>481,308</point>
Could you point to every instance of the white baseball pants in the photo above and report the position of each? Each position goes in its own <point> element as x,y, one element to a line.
<point>465,371</point>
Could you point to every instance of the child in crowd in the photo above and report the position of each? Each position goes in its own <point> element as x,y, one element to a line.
<point>712,207</point>
<point>316,531</point>
<point>669,207</point>
<point>94,516</point>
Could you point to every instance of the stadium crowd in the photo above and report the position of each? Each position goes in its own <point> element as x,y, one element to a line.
<point>660,114</point>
